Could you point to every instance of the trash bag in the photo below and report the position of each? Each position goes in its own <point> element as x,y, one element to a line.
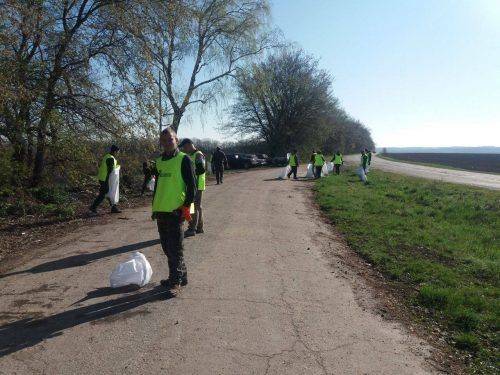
<point>151,184</point>
<point>114,186</point>
<point>324,170</point>
<point>330,167</point>
<point>284,172</point>
<point>310,171</point>
<point>361,173</point>
<point>136,271</point>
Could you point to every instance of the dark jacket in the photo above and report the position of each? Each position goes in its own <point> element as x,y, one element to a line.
<point>219,158</point>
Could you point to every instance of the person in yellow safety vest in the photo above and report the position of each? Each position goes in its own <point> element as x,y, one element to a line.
<point>337,161</point>
<point>319,161</point>
<point>107,165</point>
<point>196,225</point>
<point>293,162</point>
<point>172,198</point>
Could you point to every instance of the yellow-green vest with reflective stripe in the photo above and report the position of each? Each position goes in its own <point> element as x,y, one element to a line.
<point>337,159</point>
<point>293,160</point>
<point>103,167</point>
<point>319,160</point>
<point>200,179</point>
<point>170,192</point>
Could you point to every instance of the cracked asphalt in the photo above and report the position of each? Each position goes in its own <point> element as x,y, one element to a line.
<point>265,296</point>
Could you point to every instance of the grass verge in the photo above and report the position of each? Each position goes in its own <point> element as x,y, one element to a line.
<point>437,242</point>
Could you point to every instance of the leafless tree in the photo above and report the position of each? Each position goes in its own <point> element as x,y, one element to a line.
<point>198,44</point>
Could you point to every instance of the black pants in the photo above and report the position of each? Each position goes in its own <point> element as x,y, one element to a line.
<point>171,238</point>
<point>317,173</point>
<point>293,169</point>
<point>219,173</point>
<point>103,190</point>
<point>145,183</point>
<point>337,168</point>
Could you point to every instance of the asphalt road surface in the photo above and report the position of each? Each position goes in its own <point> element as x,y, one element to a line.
<point>267,294</point>
<point>484,180</point>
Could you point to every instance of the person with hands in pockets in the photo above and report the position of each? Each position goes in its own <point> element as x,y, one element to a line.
<point>174,192</point>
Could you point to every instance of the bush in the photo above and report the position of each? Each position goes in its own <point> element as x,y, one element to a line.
<point>467,341</point>
<point>433,297</point>
<point>47,195</point>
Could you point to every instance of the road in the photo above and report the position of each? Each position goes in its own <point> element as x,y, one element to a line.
<point>267,294</point>
<point>484,180</point>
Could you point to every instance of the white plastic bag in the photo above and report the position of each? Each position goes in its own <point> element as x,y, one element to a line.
<point>330,167</point>
<point>114,186</point>
<point>324,170</point>
<point>284,172</point>
<point>310,171</point>
<point>361,173</point>
<point>136,271</point>
<point>151,184</point>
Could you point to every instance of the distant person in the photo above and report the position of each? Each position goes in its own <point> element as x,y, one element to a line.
<point>196,225</point>
<point>364,160</point>
<point>108,164</point>
<point>338,161</point>
<point>369,155</point>
<point>293,162</point>
<point>313,157</point>
<point>172,199</point>
<point>219,161</point>
<point>147,171</point>
<point>319,161</point>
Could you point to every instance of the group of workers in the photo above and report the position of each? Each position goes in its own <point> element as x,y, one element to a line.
<point>317,160</point>
<point>180,180</point>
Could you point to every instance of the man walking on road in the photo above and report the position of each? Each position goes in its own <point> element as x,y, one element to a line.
<point>364,160</point>
<point>187,146</point>
<point>294,164</point>
<point>173,196</point>
<point>108,164</point>
<point>337,162</point>
<point>319,161</point>
<point>219,160</point>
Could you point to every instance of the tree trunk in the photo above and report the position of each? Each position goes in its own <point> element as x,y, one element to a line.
<point>39,163</point>
<point>176,120</point>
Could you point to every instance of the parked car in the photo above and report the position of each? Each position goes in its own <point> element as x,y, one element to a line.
<point>263,159</point>
<point>279,161</point>
<point>236,161</point>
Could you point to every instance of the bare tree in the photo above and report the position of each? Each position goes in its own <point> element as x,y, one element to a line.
<point>69,62</point>
<point>197,44</point>
<point>286,101</point>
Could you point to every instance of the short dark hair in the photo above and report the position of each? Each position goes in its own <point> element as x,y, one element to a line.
<point>169,130</point>
<point>185,141</point>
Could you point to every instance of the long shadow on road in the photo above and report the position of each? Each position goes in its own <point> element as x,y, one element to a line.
<point>83,259</point>
<point>29,332</point>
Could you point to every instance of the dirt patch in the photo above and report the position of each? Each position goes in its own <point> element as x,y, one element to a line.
<point>21,237</point>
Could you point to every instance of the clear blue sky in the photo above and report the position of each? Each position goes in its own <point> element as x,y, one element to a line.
<point>416,72</point>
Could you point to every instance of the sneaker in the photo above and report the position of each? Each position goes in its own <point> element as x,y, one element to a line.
<point>175,290</point>
<point>115,210</point>
<point>200,231</point>
<point>165,283</point>
<point>189,233</point>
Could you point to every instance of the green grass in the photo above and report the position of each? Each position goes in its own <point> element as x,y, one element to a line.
<point>438,242</point>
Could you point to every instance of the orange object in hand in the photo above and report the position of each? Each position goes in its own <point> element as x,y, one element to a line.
<point>186,215</point>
